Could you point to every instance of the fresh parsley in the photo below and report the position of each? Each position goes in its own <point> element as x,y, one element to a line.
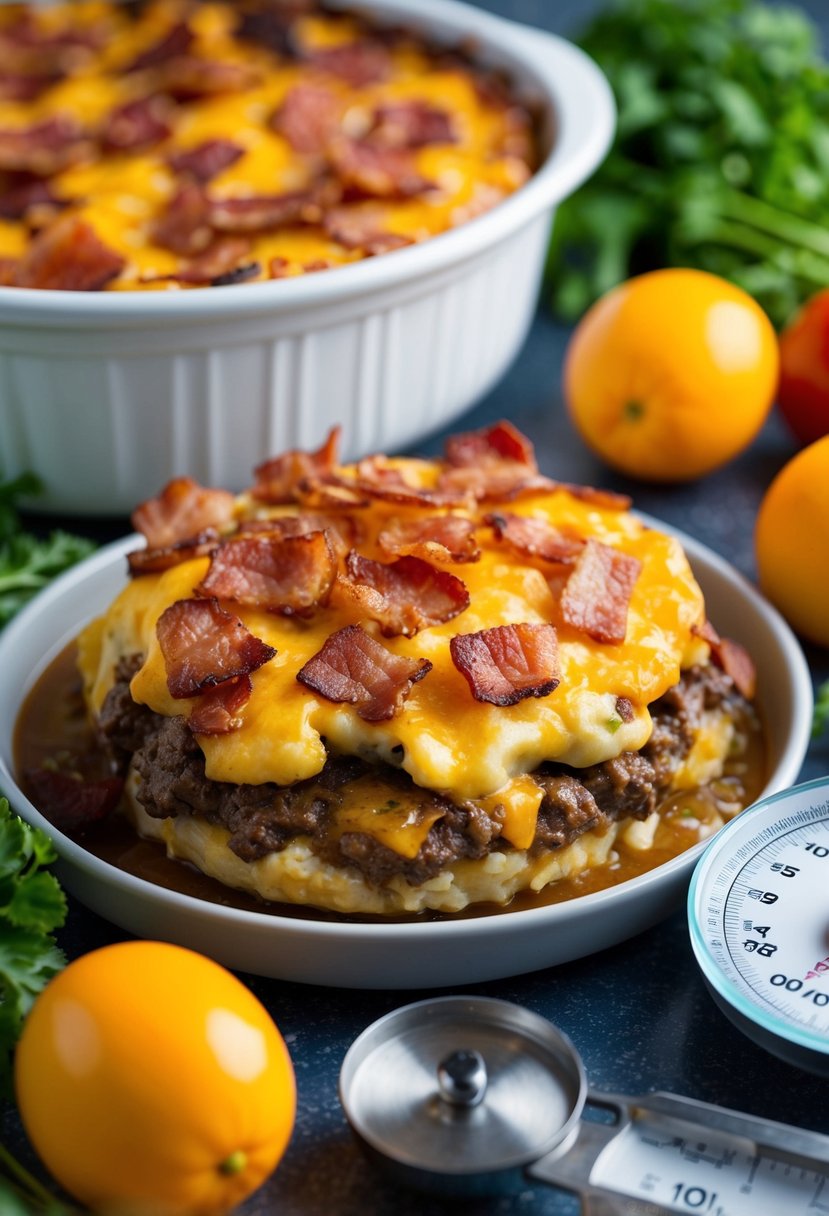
<point>29,562</point>
<point>721,158</point>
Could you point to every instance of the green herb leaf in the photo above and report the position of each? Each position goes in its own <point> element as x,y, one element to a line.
<point>821,716</point>
<point>721,157</point>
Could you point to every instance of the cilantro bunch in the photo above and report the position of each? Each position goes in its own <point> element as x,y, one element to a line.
<point>721,158</point>
<point>28,562</point>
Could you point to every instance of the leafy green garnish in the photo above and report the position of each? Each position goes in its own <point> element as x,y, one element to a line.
<point>721,157</point>
<point>32,906</point>
<point>28,562</point>
<point>821,716</point>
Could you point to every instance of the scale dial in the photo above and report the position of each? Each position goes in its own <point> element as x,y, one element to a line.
<point>758,911</point>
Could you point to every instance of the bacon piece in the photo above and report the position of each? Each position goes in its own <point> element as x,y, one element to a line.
<point>341,530</point>
<point>182,511</point>
<point>174,43</point>
<point>444,538</point>
<point>207,159</point>
<point>26,47</point>
<point>308,116</point>
<point>354,668</point>
<point>359,226</point>
<point>504,665</point>
<point>378,478</point>
<point>291,575</point>
<point>188,77</point>
<point>184,228</point>
<point>21,193</point>
<point>278,268</point>
<point>376,172</point>
<point>24,88</point>
<point>278,479</point>
<point>154,561</point>
<point>411,123</point>
<point>217,711</point>
<point>220,264</point>
<point>68,256</point>
<point>8,271</point>
<point>137,124</point>
<point>597,593</point>
<point>406,595</point>
<point>494,483</point>
<point>733,658</point>
<point>270,27</point>
<point>322,494</point>
<point>535,537</point>
<point>203,645</point>
<point>608,500</point>
<point>490,446</point>
<point>261,212</point>
<point>71,804</point>
<point>357,63</point>
<point>45,148</point>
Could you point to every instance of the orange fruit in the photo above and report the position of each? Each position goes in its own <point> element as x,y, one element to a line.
<point>152,1083</point>
<point>671,375</point>
<point>791,541</point>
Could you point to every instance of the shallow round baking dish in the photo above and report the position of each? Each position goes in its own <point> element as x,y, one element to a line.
<point>107,395</point>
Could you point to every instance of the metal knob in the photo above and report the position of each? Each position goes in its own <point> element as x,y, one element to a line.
<point>462,1078</point>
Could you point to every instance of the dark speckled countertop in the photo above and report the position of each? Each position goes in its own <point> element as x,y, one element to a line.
<point>638,1013</point>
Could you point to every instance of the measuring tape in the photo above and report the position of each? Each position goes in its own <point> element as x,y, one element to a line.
<point>758,912</point>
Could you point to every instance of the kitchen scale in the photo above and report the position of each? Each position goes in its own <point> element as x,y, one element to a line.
<point>465,1096</point>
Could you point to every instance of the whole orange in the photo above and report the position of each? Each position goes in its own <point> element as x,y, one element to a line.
<point>671,375</point>
<point>792,542</point>
<point>152,1083</point>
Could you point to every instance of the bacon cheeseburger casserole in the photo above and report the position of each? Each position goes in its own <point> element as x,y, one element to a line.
<point>405,685</point>
<point>184,143</point>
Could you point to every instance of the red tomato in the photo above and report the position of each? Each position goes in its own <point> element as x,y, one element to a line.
<point>803,395</point>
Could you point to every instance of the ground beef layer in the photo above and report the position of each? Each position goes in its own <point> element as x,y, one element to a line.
<point>267,819</point>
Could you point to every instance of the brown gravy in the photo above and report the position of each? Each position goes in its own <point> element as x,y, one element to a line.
<point>52,727</point>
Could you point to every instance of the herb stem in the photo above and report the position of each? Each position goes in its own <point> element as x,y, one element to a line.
<point>31,1187</point>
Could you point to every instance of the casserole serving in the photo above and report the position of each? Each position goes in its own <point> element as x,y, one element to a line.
<point>107,395</point>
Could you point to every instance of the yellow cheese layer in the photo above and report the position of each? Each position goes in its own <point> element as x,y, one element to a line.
<point>121,195</point>
<point>450,742</point>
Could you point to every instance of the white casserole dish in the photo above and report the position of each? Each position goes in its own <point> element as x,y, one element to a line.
<point>108,395</point>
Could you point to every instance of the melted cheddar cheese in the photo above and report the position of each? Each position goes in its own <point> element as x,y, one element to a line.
<point>122,194</point>
<point>445,739</point>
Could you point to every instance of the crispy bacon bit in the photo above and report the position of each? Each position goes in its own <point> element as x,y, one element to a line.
<point>494,483</point>
<point>624,708</point>
<point>508,663</point>
<point>597,594</point>
<point>207,159</point>
<point>154,561</point>
<point>269,27</point>
<point>366,170</point>
<point>278,268</point>
<point>68,256</point>
<point>278,479</point>
<point>45,148</point>
<point>379,478</point>
<point>181,511</point>
<point>406,595</point>
<point>8,271</point>
<point>203,645</point>
<point>219,262</point>
<point>24,88</point>
<point>261,212</point>
<point>357,63</point>
<point>308,117</point>
<point>175,42</point>
<point>217,711</point>
<point>22,193</point>
<point>291,575</point>
<point>607,500</point>
<point>360,226</point>
<point>27,47</point>
<point>184,228</point>
<point>71,804</point>
<point>535,537</point>
<point>443,538</point>
<point>322,495</point>
<point>239,274</point>
<point>412,123</point>
<point>188,77</point>
<point>137,124</point>
<point>734,660</point>
<point>491,446</point>
<point>354,668</point>
<point>341,530</point>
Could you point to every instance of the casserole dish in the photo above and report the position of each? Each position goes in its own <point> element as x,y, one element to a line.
<point>107,395</point>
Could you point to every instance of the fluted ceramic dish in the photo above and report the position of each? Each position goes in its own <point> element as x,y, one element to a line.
<point>108,395</point>
<point>412,955</point>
